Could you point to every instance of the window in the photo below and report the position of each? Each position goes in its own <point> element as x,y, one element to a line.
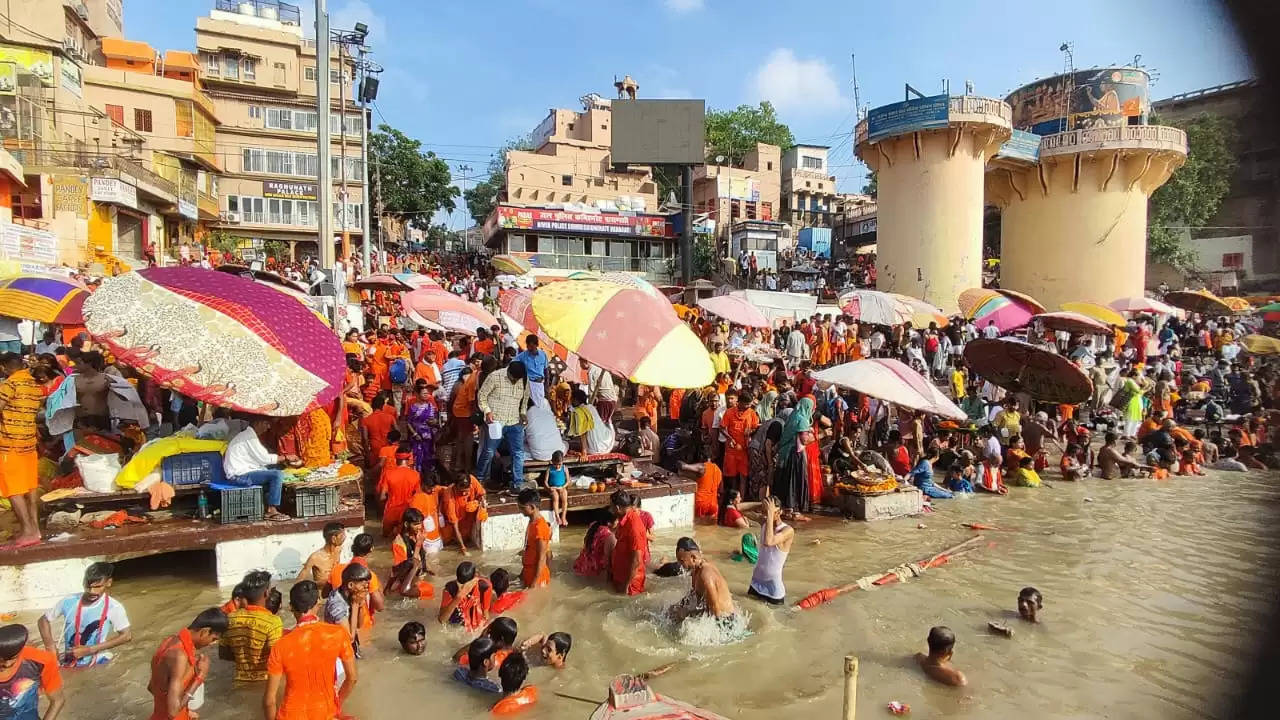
<point>769,165</point>
<point>254,160</point>
<point>141,120</point>
<point>570,126</point>
<point>1233,261</point>
<point>810,163</point>
<point>333,77</point>
<point>277,75</point>
<point>566,180</point>
<point>233,203</point>
<point>603,126</point>
<point>279,119</point>
<point>249,67</point>
<point>210,63</point>
<point>309,74</point>
<point>116,113</point>
<point>807,183</point>
<point>819,186</point>
<point>255,111</point>
<point>751,211</point>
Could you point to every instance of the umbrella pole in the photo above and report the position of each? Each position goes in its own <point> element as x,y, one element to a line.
<point>850,686</point>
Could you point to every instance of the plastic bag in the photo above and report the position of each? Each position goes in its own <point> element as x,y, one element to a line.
<point>99,472</point>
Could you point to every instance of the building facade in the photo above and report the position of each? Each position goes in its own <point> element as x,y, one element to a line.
<point>808,188</point>
<point>260,71</point>
<point>565,207</point>
<point>749,191</point>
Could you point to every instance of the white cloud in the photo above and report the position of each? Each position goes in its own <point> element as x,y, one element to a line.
<point>683,6</point>
<point>793,84</point>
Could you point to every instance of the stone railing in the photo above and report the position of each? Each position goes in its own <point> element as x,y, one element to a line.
<point>959,105</point>
<point>1119,137</point>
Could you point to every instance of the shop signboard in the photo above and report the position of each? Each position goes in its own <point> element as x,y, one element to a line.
<point>927,113</point>
<point>113,190</point>
<point>1022,145</point>
<point>289,190</point>
<point>70,194</point>
<point>187,209</point>
<point>30,61</point>
<point>513,218</point>
<point>28,244</point>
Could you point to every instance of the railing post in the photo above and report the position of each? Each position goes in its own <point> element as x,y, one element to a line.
<point>850,686</point>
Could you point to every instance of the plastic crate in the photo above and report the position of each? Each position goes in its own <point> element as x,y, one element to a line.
<point>201,468</point>
<point>314,502</point>
<point>240,505</point>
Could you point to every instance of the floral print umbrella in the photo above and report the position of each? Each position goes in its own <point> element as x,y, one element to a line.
<point>218,338</point>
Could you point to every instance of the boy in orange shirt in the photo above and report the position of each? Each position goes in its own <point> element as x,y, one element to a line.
<point>396,489</point>
<point>306,661</point>
<point>736,428</point>
<point>537,541</point>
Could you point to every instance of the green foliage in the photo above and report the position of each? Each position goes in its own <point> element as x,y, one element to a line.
<point>440,237</point>
<point>871,187</point>
<point>704,259</point>
<point>277,249</point>
<point>734,133</point>
<point>483,196</point>
<point>412,181</point>
<point>1194,193</point>
<point>223,241</point>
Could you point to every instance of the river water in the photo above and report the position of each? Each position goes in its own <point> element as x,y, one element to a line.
<point>1154,592</point>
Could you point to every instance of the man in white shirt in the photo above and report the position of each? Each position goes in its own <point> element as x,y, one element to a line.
<point>602,392</point>
<point>93,622</point>
<point>247,463</point>
<point>991,332</point>
<point>797,348</point>
<point>877,343</point>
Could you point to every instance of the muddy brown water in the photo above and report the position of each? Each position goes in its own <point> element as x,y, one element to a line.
<point>1154,594</point>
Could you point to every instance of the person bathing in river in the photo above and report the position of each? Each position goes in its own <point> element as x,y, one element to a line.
<point>321,562</point>
<point>93,621</point>
<point>537,541</point>
<point>553,649</point>
<point>178,670</point>
<point>937,664</point>
<point>776,538</point>
<point>1029,604</point>
<point>709,594</point>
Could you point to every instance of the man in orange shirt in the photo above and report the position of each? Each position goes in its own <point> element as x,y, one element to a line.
<point>396,489</point>
<point>463,504</point>
<point>427,368</point>
<point>484,342</point>
<point>438,346</point>
<point>177,670</point>
<point>537,541</point>
<point>736,428</point>
<point>361,549</point>
<point>375,426</point>
<point>626,565</point>
<point>379,362</point>
<point>306,661</point>
<point>427,502</point>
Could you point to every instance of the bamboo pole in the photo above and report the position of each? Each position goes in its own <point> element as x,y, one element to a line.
<point>850,686</point>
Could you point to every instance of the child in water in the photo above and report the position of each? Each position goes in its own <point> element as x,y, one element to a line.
<point>553,648</point>
<point>937,664</point>
<point>413,638</point>
<point>556,481</point>
<point>956,480</point>
<point>1071,467</point>
<point>503,598</point>
<point>1029,604</point>
<point>1189,466</point>
<point>515,694</point>
<point>479,663</point>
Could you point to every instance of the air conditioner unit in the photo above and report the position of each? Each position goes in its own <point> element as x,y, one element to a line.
<point>82,11</point>
<point>229,217</point>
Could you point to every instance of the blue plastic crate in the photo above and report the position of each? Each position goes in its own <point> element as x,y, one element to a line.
<point>200,468</point>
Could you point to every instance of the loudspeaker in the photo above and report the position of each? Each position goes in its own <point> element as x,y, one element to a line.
<point>369,89</point>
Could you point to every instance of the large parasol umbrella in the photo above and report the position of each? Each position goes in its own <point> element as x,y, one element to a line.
<point>1237,304</point>
<point>43,299</point>
<point>625,329</point>
<point>416,280</point>
<point>383,281</point>
<point>891,381</point>
<point>1269,312</point>
<point>511,264</point>
<point>921,312</point>
<point>1261,344</point>
<point>1142,305</point>
<point>874,307</point>
<point>517,309</point>
<point>1072,322</point>
<point>1020,367</point>
<point>1101,313</point>
<point>439,306</point>
<point>1007,309</point>
<point>736,309</point>
<point>218,338</point>
<point>1198,301</point>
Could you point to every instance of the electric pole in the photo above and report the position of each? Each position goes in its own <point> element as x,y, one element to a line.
<point>466,229</point>
<point>324,186</point>
<point>377,191</point>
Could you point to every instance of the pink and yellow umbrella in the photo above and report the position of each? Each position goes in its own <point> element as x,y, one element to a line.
<point>625,329</point>
<point>1009,310</point>
<point>517,308</point>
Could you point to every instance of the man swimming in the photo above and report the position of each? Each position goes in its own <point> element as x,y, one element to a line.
<point>1029,604</point>
<point>937,664</point>
<point>710,593</point>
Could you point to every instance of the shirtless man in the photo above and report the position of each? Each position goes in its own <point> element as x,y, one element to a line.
<point>178,669</point>
<point>710,593</point>
<point>92,386</point>
<point>937,664</point>
<point>1111,461</point>
<point>320,564</point>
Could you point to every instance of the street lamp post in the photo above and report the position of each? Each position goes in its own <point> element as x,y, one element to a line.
<point>343,38</point>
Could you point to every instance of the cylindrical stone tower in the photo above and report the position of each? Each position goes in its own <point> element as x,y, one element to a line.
<point>929,167</point>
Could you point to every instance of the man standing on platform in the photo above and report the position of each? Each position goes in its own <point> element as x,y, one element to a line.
<point>535,363</point>
<point>504,399</point>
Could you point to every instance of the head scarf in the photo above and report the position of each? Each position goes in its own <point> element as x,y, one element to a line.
<point>764,408</point>
<point>800,421</point>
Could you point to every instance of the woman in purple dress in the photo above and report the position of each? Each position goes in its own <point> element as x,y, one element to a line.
<point>421,417</point>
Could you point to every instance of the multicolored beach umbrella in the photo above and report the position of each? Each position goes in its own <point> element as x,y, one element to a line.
<point>516,306</point>
<point>1009,310</point>
<point>218,338</point>
<point>43,299</point>
<point>436,305</point>
<point>511,264</point>
<point>625,329</point>
<point>1101,313</point>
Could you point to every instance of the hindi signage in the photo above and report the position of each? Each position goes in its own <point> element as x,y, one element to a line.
<point>513,218</point>
<point>19,242</point>
<point>908,116</point>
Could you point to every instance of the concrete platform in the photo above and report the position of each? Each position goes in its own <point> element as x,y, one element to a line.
<point>905,501</point>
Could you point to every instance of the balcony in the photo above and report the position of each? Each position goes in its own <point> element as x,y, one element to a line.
<point>265,9</point>
<point>99,165</point>
<point>1156,138</point>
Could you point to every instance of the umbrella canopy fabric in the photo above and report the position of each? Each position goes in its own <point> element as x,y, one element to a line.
<point>921,312</point>
<point>1269,307</point>
<point>439,306</point>
<point>218,338</point>
<point>1101,313</point>
<point>43,299</point>
<point>1142,305</point>
<point>1021,367</point>
<point>510,264</point>
<point>416,280</point>
<point>1198,301</point>
<point>517,309</point>
<point>891,381</point>
<point>735,309</point>
<point>873,307</point>
<point>660,708</point>
<point>622,328</point>
<point>1260,344</point>
<point>382,281</point>
<point>1072,322</point>
<point>1237,304</point>
<point>1006,309</point>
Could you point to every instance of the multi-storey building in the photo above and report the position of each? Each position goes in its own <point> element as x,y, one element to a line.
<point>741,203</point>
<point>808,188</point>
<point>260,70</point>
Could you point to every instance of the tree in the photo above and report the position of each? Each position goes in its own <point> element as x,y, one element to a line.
<point>871,187</point>
<point>703,256</point>
<point>412,182</point>
<point>1193,194</point>
<point>483,196</point>
<point>277,249</point>
<point>734,133</point>
<point>223,241</point>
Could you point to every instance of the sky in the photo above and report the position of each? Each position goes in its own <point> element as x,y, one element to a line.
<point>464,76</point>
